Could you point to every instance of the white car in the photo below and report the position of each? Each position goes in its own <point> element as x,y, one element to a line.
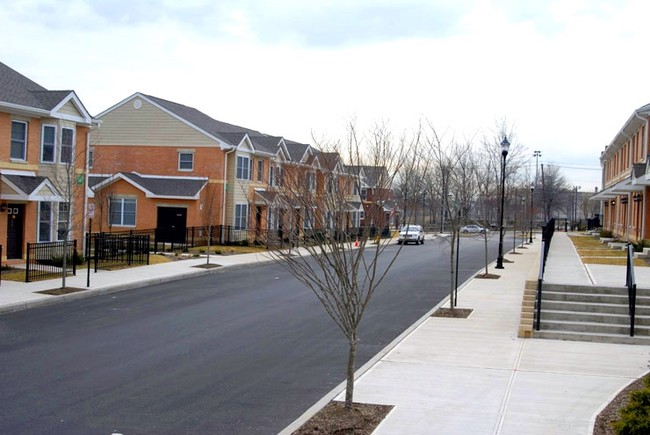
<point>411,233</point>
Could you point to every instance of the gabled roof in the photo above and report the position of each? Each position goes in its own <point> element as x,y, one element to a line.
<point>153,186</point>
<point>30,187</point>
<point>19,93</point>
<point>296,150</point>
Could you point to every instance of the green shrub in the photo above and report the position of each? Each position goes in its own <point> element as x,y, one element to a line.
<point>635,417</point>
<point>606,233</point>
<point>638,247</point>
<point>57,260</point>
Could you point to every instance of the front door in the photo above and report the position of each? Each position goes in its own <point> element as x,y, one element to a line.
<point>15,224</point>
<point>171,225</point>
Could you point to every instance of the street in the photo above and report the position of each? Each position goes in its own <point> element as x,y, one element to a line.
<point>241,351</point>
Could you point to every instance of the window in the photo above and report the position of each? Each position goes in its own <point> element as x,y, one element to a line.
<point>260,170</point>
<point>185,161</point>
<point>244,168</point>
<point>67,141</point>
<point>44,221</point>
<point>364,193</point>
<point>18,140</point>
<point>122,211</point>
<point>310,181</point>
<point>91,157</point>
<point>62,224</point>
<point>48,143</point>
<point>241,216</point>
<point>271,173</point>
<point>308,219</point>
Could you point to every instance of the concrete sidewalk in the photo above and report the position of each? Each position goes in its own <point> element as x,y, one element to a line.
<point>474,375</point>
<point>450,376</point>
<point>16,296</point>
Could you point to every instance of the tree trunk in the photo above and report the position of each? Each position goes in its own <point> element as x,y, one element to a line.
<point>485,240</point>
<point>352,356</point>
<point>209,239</point>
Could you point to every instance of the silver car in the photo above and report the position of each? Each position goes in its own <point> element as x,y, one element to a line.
<point>411,233</point>
<point>472,229</point>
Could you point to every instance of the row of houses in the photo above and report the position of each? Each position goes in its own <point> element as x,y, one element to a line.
<point>625,166</point>
<point>150,163</point>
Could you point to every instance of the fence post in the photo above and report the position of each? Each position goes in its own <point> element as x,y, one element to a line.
<point>74,259</point>
<point>27,263</point>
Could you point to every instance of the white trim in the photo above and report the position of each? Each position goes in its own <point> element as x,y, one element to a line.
<point>186,152</point>
<point>85,117</point>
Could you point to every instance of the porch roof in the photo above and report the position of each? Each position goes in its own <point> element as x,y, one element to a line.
<point>153,186</point>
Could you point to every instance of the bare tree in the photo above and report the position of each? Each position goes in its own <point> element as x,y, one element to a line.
<point>68,177</point>
<point>320,210</point>
<point>554,189</point>
<point>457,185</point>
<point>209,208</point>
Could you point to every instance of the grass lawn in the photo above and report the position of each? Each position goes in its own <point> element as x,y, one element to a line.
<point>591,251</point>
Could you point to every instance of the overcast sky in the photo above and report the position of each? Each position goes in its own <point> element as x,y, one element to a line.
<point>564,74</point>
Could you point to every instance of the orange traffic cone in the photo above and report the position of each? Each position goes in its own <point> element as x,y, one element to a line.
<point>356,243</point>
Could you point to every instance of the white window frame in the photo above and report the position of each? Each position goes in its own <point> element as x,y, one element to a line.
<point>308,219</point>
<point>243,169</point>
<point>310,181</point>
<point>23,140</point>
<point>53,144</point>
<point>182,162</point>
<point>241,216</point>
<point>65,214</point>
<point>42,222</point>
<point>120,202</point>
<point>271,175</point>
<point>62,154</point>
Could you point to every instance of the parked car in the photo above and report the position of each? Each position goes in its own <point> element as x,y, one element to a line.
<point>411,233</point>
<point>476,229</point>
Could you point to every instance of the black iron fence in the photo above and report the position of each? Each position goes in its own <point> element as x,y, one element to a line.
<point>547,235</point>
<point>227,235</point>
<point>45,259</point>
<point>109,250</point>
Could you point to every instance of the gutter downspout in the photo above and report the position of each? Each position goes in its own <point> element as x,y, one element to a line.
<point>645,153</point>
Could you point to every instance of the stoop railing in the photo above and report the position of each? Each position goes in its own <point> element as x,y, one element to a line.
<point>630,282</point>
<point>547,235</point>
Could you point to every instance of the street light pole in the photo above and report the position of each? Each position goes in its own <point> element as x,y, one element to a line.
<point>505,145</point>
<point>532,191</point>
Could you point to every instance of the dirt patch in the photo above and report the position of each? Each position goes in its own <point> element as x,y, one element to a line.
<point>61,291</point>
<point>334,419</point>
<point>207,266</point>
<point>603,424</point>
<point>457,313</point>
<point>487,276</point>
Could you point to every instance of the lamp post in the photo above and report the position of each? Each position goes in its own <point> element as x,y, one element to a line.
<point>532,191</point>
<point>505,145</point>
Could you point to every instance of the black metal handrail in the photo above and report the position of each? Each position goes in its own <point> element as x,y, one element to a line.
<point>630,282</point>
<point>547,235</point>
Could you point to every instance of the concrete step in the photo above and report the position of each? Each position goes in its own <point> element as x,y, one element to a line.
<point>593,317</point>
<point>592,327</point>
<point>596,298</point>
<point>582,307</point>
<point>598,338</point>
<point>622,290</point>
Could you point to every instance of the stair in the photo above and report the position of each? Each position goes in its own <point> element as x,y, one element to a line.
<point>598,314</point>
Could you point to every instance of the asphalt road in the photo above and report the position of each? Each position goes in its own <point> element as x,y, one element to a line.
<point>245,350</point>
